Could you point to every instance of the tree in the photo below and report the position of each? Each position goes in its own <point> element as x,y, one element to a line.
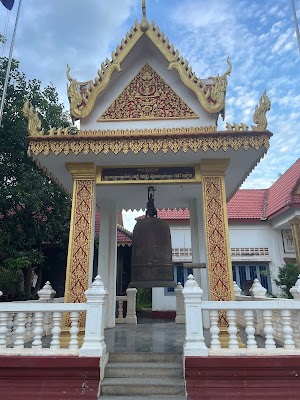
<point>287,277</point>
<point>33,209</point>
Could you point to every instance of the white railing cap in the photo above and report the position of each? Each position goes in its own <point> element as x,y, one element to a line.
<point>47,292</point>
<point>191,287</point>
<point>295,290</point>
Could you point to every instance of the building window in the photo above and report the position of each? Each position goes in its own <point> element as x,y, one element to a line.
<point>180,274</point>
<point>244,274</point>
<point>288,241</point>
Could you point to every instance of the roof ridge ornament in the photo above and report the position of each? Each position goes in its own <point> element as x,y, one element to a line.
<point>144,26</point>
<point>259,117</point>
<point>34,122</point>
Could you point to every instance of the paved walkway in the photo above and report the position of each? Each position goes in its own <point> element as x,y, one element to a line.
<point>154,336</point>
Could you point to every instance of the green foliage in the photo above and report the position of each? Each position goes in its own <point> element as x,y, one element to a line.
<point>11,282</point>
<point>33,209</point>
<point>287,277</point>
<point>143,298</point>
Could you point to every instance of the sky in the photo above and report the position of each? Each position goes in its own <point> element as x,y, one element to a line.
<point>259,36</point>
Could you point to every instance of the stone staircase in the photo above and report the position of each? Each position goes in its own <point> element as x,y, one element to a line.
<point>135,376</point>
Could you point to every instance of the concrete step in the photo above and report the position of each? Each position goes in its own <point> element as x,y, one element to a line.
<point>148,369</point>
<point>145,357</point>
<point>156,397</point>
<point>142,386</point>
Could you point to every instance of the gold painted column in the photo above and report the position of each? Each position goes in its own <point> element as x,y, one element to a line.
<point>216,231</point>
<point>295,224</point>
<point>81,239</point>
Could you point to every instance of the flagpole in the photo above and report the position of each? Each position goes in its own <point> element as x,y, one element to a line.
<point>9,64</point>
<point>296,24</point>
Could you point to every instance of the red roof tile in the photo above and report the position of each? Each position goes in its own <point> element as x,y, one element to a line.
<point>123,235</point>
<point>247,204</point>
<point>176,214</point>
<point>281,193</point>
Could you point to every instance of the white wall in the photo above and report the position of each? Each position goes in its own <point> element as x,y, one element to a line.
<point>258,235</point>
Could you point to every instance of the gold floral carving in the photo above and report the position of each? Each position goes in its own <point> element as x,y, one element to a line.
<point>173,144</point>
<point>78,264</point>
<point>217,241</point>
<point>34,122</point>
<point>259,117</point>
<point>147,97</point>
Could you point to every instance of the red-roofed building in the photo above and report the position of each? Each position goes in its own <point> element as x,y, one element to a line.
<point>260,235</point>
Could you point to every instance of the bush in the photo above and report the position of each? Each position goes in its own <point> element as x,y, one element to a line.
<point>287,277</point>
<point>143,298</point>
<point>11,283</point>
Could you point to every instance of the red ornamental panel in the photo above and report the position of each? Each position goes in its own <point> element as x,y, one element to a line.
<point>80,241</point>
<point>217,240</point>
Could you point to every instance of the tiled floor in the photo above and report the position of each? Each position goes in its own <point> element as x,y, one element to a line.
<point>156,336</point>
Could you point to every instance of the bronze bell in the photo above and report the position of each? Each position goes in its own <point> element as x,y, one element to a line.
<point>151,262</point>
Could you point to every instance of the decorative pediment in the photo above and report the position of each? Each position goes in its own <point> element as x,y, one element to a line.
<point>147,96</point>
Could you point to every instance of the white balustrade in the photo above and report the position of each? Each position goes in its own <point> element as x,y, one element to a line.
<point>180,317</point>
<point>94,344</point>
<point>120,319</point>
<point>131,306</point>
<point>23,322</point>
<point>130,300</point>
<point>194,339</point>
<point>277,320</point>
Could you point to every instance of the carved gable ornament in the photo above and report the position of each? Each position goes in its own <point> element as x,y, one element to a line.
<point>147,97</point>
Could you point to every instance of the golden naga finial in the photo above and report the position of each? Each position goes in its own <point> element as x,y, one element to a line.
<point>144,23</point>
<point>73,89</point>
<point>34,122</point>
<point>218,90</point>
<point>259,117</point>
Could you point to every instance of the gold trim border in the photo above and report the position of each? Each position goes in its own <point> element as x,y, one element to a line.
<point>45,145</point>
<point>99,169</point>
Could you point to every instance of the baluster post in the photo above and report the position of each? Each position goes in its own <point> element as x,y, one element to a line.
<point>46,295</point>
<point>3,329</point>
<point>232,330</point>
<point>56,330</point>
<point>268,329</point>
<point>131,306</point>
<point>180,317</point>
<point>93,343</point>
<point>214,329</point>
<point>20,330</point>
<point>38,330</point>
<point>74,329</point>
<point>29,325</point>
<point>194,340</point>
<point>10,325</point>
<point>250,330</point>
<point>287,329</point>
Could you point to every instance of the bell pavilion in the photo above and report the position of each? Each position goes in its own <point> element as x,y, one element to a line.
<point>146,119</point>
<point>149,131</point>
